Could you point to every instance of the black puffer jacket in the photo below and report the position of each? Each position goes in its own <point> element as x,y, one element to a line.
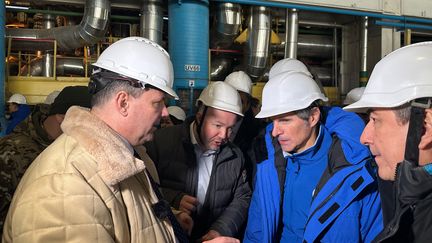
<point>228,195</point>
<point>249,129</point>
<point>407,205</point>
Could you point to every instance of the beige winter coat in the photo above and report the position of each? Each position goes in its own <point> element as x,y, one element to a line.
<point>85,187</point>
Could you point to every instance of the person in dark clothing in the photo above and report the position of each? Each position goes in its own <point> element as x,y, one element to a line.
<point>201,172</point>
<point>176,116</point>
<point>248,127</point>
<point>31,137</point>
<point>398,99</point>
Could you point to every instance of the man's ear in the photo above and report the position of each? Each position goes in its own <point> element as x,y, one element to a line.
<point>122,102</point>
<point>315,116</point>
<point>426,139</point>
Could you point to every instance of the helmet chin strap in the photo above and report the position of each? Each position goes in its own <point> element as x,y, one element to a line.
<point>200,122</point>
<point>415,129</point>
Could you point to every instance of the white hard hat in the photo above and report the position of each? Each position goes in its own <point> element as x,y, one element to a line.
<point>401,76</point>
<point>287,92</point>
<point>17,98</point>
<point>354,95</point>
<point>51,97</point>
<point>288,65</point>
<point>140,59</point>
<point>222,96</point>
<point>177,112</point>
<point>240,80</point>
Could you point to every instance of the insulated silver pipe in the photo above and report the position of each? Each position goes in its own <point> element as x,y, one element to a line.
<point>292,29</point>
<point>48,21</point>
<point>219,68</point>
<point>227,24</point>
<point>91,29</point>
<point>151,21</point>
<point>64,67</point>
<point>364,43</point>
<point>47,68</point>
<point>310,46</point>
<point>258,44</point>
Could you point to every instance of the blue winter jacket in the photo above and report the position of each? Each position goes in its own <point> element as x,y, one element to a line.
<point>18,116</point>
<point>345,205</point>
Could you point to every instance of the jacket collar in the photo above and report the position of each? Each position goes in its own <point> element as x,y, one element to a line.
<point>115,161</point>
<point>317,150</point>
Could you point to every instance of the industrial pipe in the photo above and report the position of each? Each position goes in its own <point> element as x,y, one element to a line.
<point>328,10</point>
<point>227,25</point>
<point>71,14</point>
<point>91,29</point>
<point>258,44</point>
<point>403,25</point>
<point>291,41</point>
<point>151,22</point>
<point>364,41</point>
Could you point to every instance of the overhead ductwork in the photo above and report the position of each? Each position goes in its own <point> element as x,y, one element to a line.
<point>312,46</point>
<point>64,67</point>
<point>220,67</point>
<point>227,25</point>
<point>225,29</point>
<point>91,29</point>
<point>258,43</point>
<point>151,21</point>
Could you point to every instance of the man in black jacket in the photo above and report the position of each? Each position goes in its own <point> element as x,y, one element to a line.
<point>248,127</point>
<point>398,97</point>
<point>201,172</point>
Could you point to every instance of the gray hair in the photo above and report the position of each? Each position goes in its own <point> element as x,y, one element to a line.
<point>305,113</point>
<point>113,87</point>
<point>403,113</point>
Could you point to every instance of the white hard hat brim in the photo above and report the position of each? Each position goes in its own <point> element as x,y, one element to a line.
<point>276,111</point>
<point>389,100</point>
<point>227,110</point>
<point>165,89</point>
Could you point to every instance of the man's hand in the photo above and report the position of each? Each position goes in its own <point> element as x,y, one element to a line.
<point>188,204</point>
<point>211,234</point>
<point>223,239</point>
<point>185,221</point>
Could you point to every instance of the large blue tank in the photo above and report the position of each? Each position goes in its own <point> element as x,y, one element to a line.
<point>188,40</point>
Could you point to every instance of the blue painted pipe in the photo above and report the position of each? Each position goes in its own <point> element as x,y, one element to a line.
<point>328,10</point>
<point>403,25</point>
<point>188,38</point>
<point>2,69</point>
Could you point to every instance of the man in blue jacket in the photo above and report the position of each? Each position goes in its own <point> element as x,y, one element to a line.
<point>314,180</point>
<point>19,110</point>
<point>398,98</point>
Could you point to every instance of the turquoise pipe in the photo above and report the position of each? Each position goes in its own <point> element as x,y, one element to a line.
<point>403,25</point>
